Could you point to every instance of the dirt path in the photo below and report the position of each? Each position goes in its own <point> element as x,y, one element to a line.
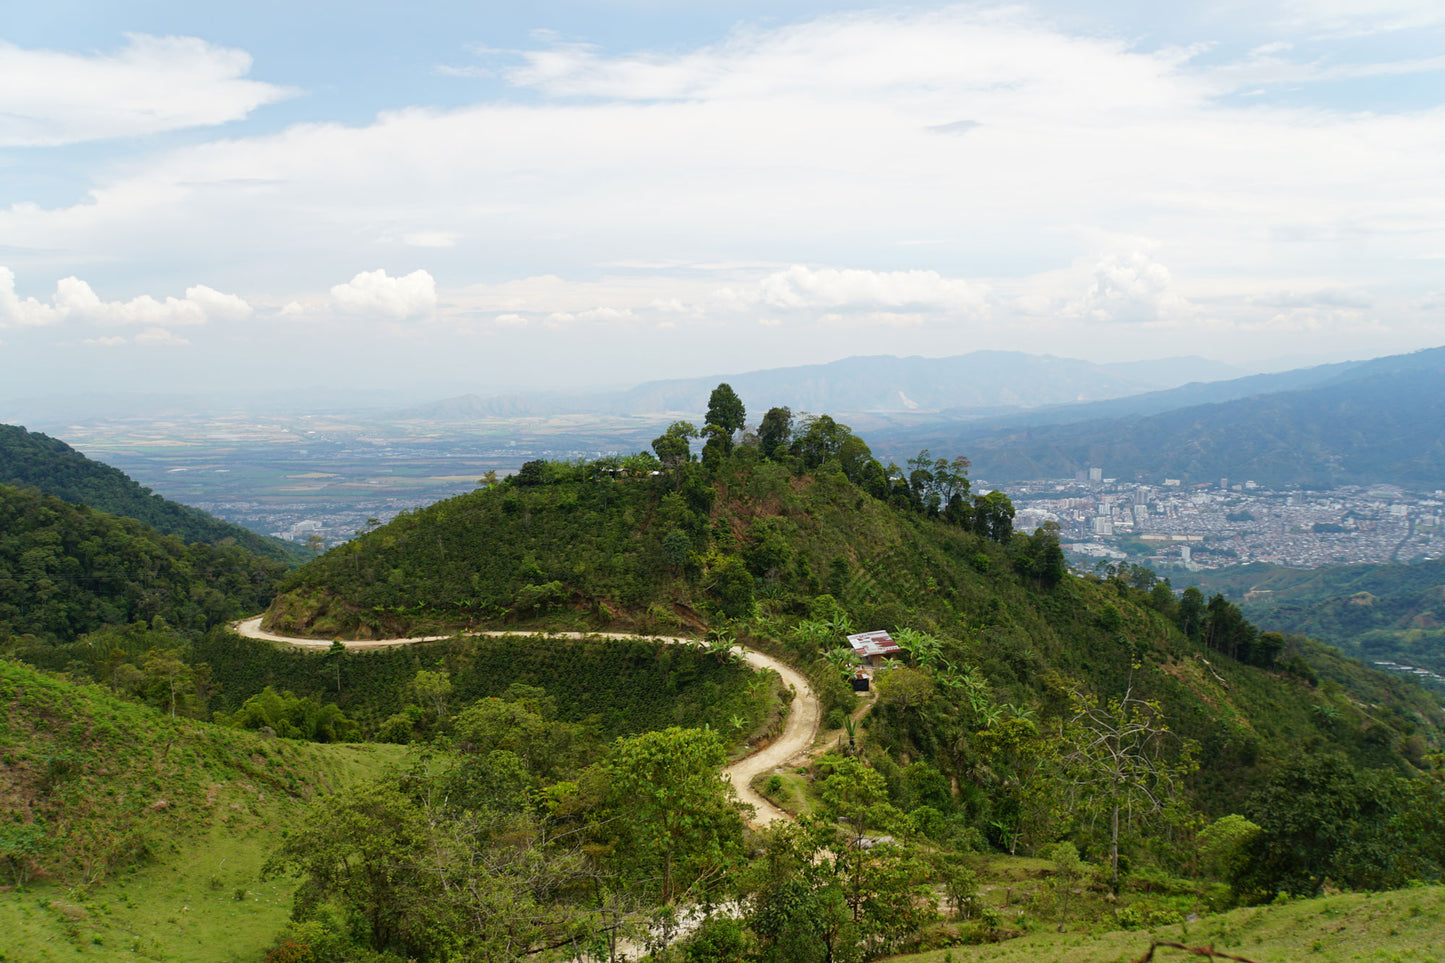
<point>798,732</point>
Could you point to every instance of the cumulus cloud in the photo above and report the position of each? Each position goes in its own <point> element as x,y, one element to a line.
<point>377,294</point>
<point>24,312</point>
<point>1130,286</point>
<point>606,314</point>
<point>152,84</point>
<point>996,134</point>
<point>75,300</point>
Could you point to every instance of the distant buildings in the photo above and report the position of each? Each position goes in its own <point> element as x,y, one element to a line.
<point>1235,525</point>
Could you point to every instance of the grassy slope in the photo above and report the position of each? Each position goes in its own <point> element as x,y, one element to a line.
<point>1402,926</point>
<point>154,825</point>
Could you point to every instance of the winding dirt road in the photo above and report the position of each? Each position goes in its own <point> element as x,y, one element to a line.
<point>798,733</point>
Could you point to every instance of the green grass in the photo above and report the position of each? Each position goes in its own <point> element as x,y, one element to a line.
<point>791,795</point>
<point>1400,926</point>
<point>199,898</point>
<point>154,825</point>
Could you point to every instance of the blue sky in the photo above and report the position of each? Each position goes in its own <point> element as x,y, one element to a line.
<point>442,197</point>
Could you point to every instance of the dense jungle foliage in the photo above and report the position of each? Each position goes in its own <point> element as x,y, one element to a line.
<point>66,570</point>
<point>29,459</point>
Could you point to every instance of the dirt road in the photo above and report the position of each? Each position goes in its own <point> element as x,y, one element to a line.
<point>798,732</point>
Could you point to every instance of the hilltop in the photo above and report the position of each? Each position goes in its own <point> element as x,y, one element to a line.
<point>66,570</point>
<point>786,550</point>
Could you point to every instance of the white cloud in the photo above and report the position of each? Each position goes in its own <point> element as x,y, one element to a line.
<point>623,190</point>
<point>376,294</point>
<point>106,342</point>
<point>75,300</point>
<point>1130,286</point>
<point>606,314</point>
<point>1323,297</point>
<point>25,312</point>
<point>152,84</point>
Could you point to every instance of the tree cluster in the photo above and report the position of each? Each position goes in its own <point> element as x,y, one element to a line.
<point>66,570</point>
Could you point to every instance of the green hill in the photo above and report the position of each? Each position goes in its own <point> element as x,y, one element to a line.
<point>66,570</point>
<point>1405,926</point>
<point>1112,753</point>
<point>786,557</point>
<point>30,459</point>
<point>128,834</point>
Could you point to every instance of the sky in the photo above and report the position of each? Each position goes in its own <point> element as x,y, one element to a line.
<point>443,197</point>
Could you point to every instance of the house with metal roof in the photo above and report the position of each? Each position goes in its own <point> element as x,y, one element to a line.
<point>873,647</point>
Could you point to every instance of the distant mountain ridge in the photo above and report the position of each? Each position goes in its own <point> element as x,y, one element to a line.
<point>1355,423</point>
<point>30,459</point>
<point>882,383</point>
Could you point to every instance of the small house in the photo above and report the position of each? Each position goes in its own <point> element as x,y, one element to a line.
<point>873,647</point>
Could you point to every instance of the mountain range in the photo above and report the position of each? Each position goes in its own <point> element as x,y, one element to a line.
<point>981,380</point>
<point>1359,423</point>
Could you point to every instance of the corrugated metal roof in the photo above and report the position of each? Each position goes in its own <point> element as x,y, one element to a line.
<point>873,643</point>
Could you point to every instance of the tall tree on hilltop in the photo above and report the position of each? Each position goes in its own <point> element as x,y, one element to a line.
<point>725,409</point>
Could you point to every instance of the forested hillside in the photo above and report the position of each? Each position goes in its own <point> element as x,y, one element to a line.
<point>66,570</point>
<point>30,459</point>
<point>788,538</point>
<point>1371,612</point>
<point>1121,753</point>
